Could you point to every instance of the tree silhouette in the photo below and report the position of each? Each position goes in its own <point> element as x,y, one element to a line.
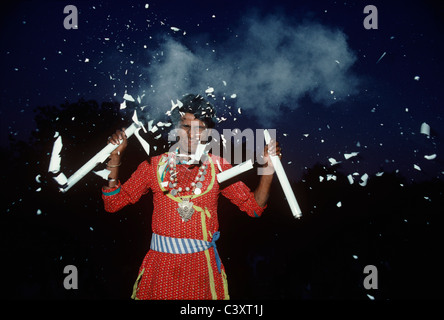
<point>389,223</point>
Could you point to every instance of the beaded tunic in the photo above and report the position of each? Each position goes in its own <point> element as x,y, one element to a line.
<point>181,276</point>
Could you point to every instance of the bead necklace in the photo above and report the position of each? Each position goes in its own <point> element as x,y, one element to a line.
<point>185,209</point>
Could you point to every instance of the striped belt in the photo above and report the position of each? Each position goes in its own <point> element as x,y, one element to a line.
<point>183,245</point>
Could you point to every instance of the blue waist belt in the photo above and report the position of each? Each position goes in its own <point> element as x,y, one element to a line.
<point>184,245</point>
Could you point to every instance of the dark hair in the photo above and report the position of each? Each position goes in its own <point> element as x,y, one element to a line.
<point>198,106</point>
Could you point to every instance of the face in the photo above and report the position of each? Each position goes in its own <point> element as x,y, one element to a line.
<point>191,133</point>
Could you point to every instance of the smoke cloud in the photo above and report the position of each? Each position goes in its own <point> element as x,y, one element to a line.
<point>266,63</point>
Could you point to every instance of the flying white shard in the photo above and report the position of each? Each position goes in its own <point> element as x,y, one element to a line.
<point>333,161</point>
<point>54,164</point>
<point>350,155</point>
<point>136,120</point>
<point>218,165</point>
<point>381,57</point>
<point>224,141</point>
<point>364,180</point>
<point>350,179</point>
<point>425,129</point>
<point>430,157</point>
<point>128,97</point>
<point>150,125</point>
<point>103,173</point>
<point>173,106</point>
<point>200,150</point>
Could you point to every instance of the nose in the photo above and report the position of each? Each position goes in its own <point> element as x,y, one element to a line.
<point>193,133</point>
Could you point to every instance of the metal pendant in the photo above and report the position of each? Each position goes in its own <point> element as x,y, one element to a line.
<point>185,209</point>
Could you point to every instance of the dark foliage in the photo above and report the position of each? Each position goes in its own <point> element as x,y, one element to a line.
<point>390,224</point>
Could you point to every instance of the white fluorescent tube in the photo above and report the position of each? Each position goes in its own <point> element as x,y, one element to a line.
<point>234,171</point>
<point>288,191</point>
<point>98,158</point>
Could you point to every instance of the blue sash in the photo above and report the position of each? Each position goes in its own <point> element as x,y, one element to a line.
<point>183,245</point>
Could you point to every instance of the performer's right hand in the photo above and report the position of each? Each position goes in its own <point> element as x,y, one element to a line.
<point>115,139</point>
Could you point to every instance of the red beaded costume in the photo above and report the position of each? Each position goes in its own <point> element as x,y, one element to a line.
<point>181,276</point>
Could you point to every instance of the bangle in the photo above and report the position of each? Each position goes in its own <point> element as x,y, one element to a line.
<point>112,180</point>
<point>113,165</point>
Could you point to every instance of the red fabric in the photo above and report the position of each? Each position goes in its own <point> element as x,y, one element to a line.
<point>180,276</point>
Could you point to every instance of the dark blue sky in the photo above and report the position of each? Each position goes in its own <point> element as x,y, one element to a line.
<point>42,63</point>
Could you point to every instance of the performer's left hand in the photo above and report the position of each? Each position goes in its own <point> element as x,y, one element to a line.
<point>262,192</point>
<point>272,149</point>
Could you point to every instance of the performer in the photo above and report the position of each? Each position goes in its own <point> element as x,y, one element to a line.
<point>183,262</point>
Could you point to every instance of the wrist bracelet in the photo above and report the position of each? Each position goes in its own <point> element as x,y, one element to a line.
<point>112,180</point>
<point>113,165</point>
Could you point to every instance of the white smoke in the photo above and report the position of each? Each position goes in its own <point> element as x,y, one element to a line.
<point>268,62</point>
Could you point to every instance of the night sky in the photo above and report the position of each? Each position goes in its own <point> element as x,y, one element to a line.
<point>308,69</point>
<point>379,113</point>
